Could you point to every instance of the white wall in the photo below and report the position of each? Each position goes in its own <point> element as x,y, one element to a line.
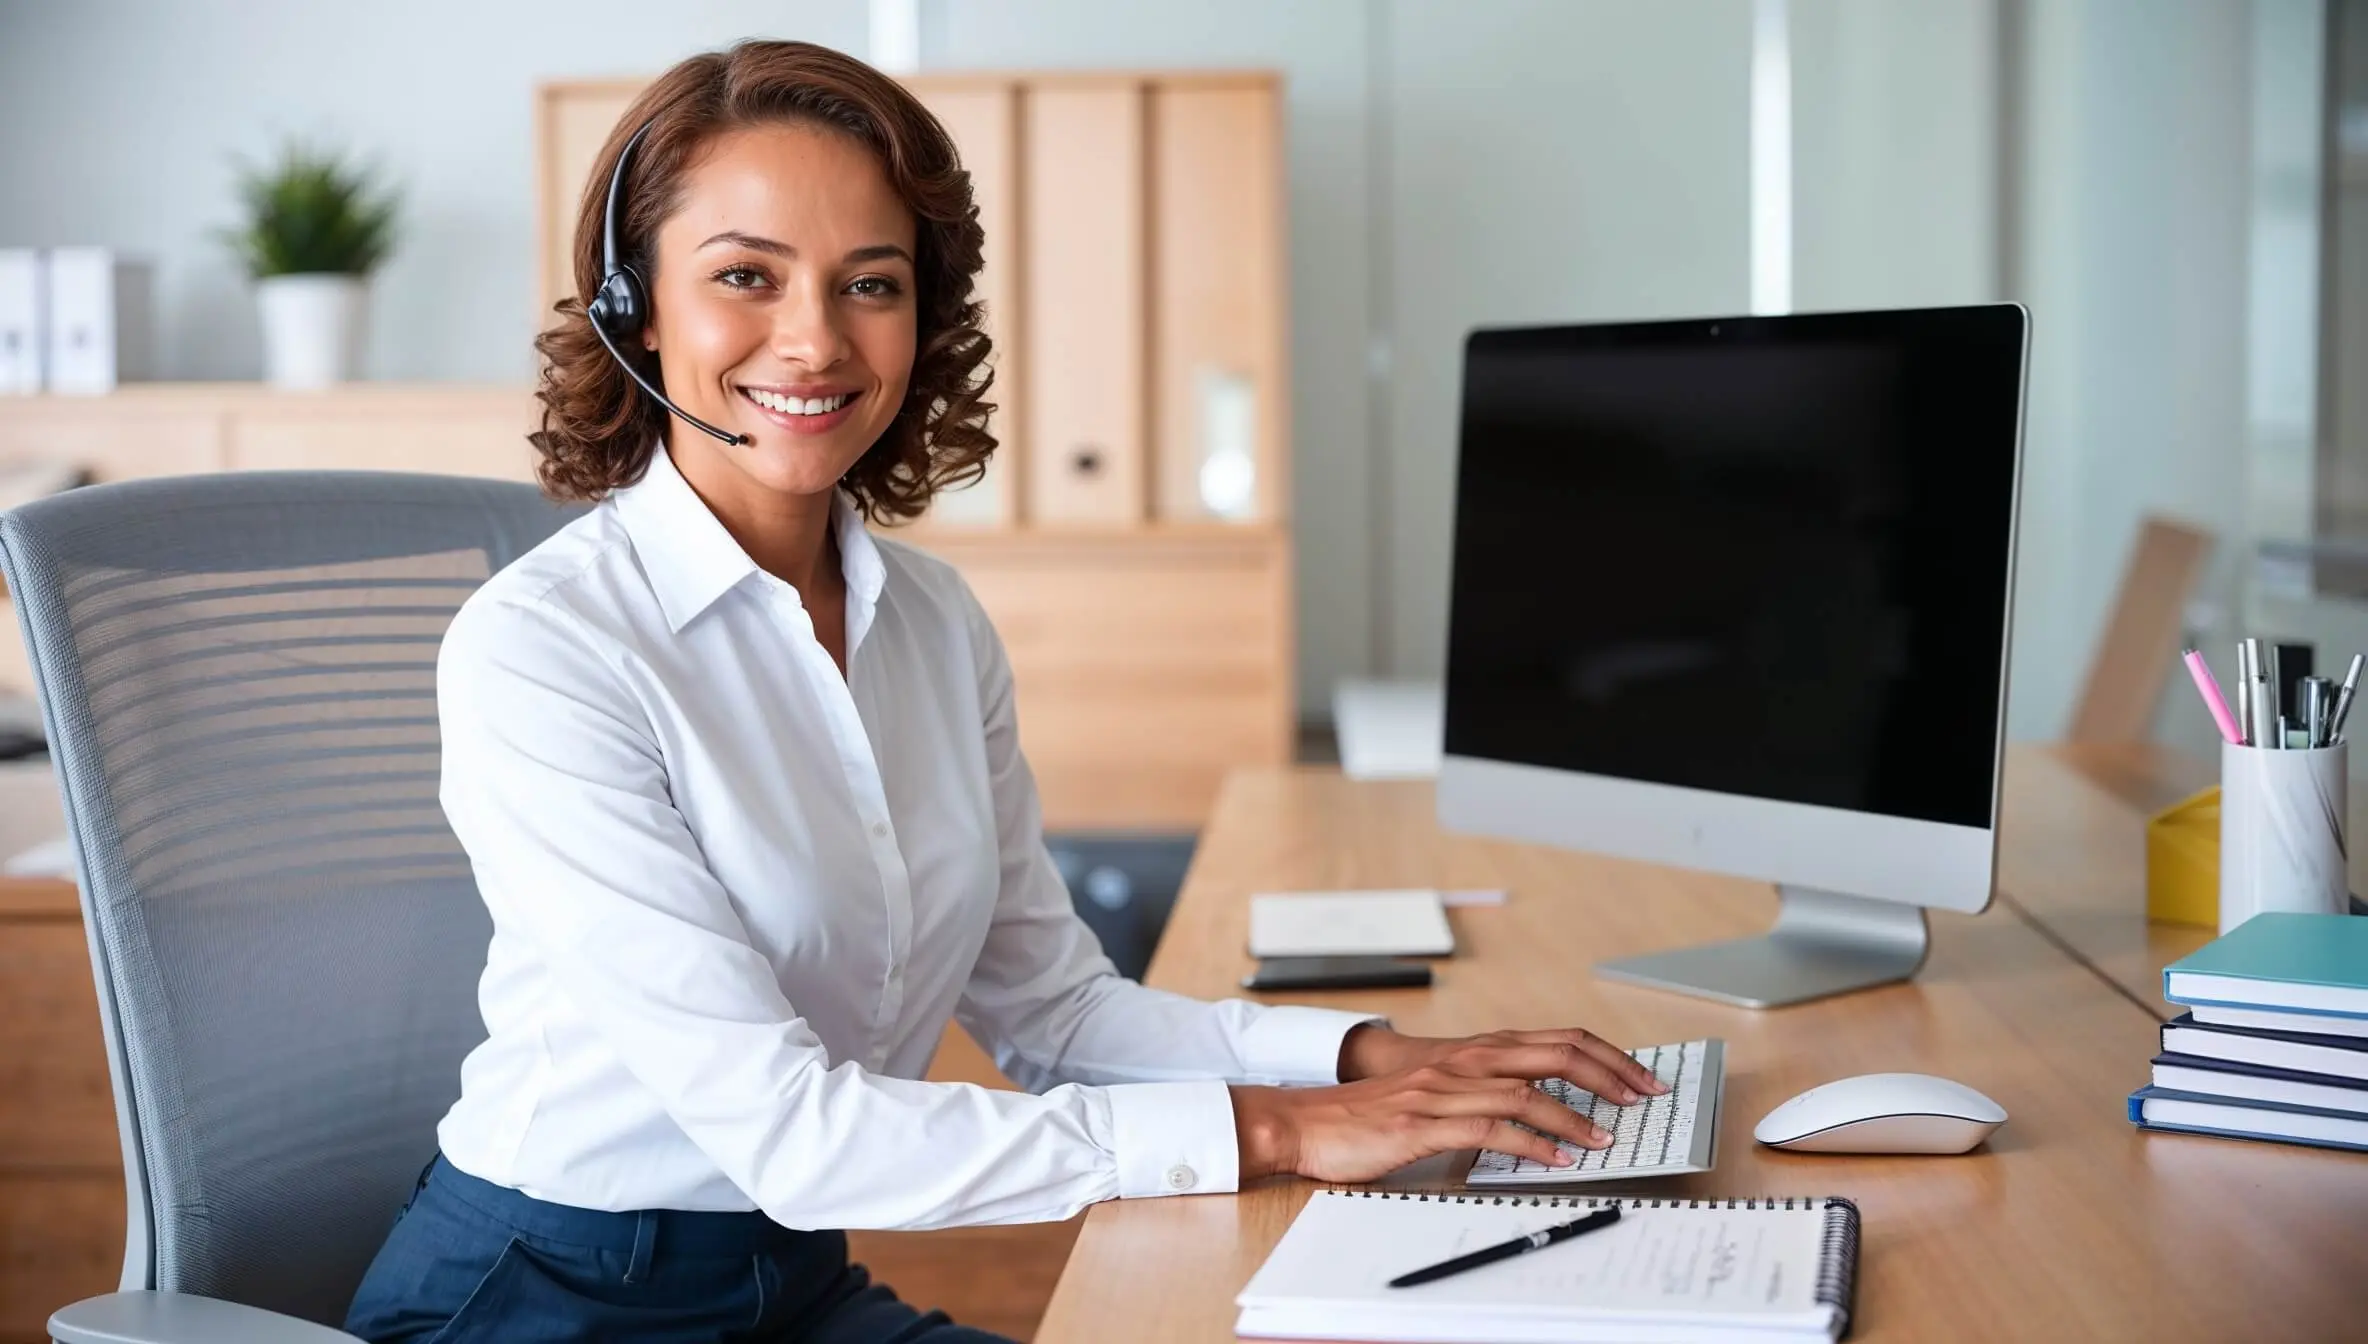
<point>118,120</point>
<point>1546,163</point>
<point>1895,153</point>
<point>2132,244</point>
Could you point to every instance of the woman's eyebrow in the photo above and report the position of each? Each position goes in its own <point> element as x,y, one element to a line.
<point>876,252</point>
<point>751,242</point>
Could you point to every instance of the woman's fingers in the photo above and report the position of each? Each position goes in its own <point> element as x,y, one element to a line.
<point>1504,1137</point>
<point>1613,1057</point>
<point>1519,1101</point>
<point>1547,1060</point>
<point>1619,1061</point>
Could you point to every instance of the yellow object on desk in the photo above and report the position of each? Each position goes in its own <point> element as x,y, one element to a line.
<point>2183,861</point>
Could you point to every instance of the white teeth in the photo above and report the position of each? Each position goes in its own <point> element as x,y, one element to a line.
<point>796,405</point>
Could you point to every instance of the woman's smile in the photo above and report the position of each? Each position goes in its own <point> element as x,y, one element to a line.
<point>803,410</point>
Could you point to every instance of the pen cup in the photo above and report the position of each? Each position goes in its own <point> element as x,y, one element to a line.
<point>2281,831</point>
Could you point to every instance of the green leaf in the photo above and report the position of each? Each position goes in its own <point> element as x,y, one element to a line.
<point>310,213</point>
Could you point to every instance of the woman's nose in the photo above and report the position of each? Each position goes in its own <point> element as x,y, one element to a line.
<point>806,330</point>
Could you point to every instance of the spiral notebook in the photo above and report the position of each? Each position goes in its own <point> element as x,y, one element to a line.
<point>1669,1270</point>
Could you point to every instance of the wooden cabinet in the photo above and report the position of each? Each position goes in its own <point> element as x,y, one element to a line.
<point>1083,280</point>
<point>61,1167</point>
<point>982,116</point>
<point>117,438</point>
<point>1218,279</point>
<point>455,433</point>
<point>1146,664</point>
<point>1149,659</point>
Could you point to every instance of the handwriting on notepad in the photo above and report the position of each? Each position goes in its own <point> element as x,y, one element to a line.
<point>1642,1261</point>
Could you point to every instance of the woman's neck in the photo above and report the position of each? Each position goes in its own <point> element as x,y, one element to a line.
<point>788,536</point>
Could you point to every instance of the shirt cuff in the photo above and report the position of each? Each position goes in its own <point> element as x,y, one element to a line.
<point>1288,1044</point>
<point>1174,1139</point>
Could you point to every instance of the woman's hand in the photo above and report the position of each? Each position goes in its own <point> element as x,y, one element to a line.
<point>1441,1095</point>
<point>1369,1051</point>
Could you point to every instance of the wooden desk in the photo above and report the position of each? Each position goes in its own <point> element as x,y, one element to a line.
<point>2074,861</point>
<point>2070,1225</point>
<point>2075,864</point>
<point>61,1166</point>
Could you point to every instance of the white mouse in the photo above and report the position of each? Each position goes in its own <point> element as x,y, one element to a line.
<point>1883,1113</point>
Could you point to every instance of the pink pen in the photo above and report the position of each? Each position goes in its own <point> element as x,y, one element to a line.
<point>2211,692</point>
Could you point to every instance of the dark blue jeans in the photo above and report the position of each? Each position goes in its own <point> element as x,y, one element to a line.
<point>469,1260</point>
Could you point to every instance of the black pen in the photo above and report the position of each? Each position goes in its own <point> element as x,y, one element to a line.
<point>1506,1251</point>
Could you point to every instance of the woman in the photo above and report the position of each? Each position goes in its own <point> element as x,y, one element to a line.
<point>742,789</point>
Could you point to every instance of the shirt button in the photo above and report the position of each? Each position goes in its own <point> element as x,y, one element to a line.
<point>1181,1177</point>
<point>880,829</point>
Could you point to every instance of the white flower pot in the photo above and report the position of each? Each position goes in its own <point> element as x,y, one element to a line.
<point>312,328</point>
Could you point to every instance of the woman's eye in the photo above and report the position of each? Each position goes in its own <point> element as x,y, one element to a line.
<point>874,287</point>
<point>740,277</point>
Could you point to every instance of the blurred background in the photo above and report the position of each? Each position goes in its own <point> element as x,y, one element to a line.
<point>1235,247</point>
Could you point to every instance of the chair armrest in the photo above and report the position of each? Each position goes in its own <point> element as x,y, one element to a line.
<point>181,1318</point>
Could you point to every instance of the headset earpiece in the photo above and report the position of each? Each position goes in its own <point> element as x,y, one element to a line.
<point>618,307</point>
<point>621,309</point>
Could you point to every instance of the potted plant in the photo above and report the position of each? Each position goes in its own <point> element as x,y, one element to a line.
<point>315,229</point>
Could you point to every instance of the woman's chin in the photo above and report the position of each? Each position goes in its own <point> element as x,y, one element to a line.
<point>792,466</point>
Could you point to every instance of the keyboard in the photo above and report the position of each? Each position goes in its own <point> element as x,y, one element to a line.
<point>1667,1135</point>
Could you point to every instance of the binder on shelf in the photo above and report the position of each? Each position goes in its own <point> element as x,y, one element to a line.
<point>100,332</point>
<point>22,279</point>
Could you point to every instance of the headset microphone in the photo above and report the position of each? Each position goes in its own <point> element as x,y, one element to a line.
<point>620,309</point>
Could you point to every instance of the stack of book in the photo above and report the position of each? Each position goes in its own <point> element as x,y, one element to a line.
<point>2274,1042</point>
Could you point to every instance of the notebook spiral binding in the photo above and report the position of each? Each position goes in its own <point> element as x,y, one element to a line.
<point>1802,1202</point>
<point>1837,1275</point>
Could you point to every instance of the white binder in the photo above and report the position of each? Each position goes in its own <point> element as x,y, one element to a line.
<point>99,320</point>
<point>22,341</point>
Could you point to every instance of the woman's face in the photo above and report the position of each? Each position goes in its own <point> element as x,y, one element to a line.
<point>783,307</point>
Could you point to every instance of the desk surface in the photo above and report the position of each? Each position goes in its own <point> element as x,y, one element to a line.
<point>2070,1224</point>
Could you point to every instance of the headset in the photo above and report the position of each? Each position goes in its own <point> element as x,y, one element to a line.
<point>621,308</point>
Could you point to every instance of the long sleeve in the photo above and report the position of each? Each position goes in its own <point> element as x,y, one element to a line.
<point>1054,1010</point>
<point>556,786</point>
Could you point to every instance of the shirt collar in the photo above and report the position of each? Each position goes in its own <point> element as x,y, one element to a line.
<point>692,560</point>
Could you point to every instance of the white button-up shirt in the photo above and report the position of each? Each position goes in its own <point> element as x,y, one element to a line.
<point>736,898</point>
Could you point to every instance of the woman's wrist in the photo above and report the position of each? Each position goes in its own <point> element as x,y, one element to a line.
<point>1371,1049</point>
<point>1264,1133</point>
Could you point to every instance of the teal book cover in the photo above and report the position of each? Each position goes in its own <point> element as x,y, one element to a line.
<point>2324,950</point>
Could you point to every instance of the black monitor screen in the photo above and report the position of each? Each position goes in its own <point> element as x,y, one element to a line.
<point>1763,556</point>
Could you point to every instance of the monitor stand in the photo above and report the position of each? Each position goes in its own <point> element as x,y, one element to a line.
<point>1823,943</point>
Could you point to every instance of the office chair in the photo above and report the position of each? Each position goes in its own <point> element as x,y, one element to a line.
<point>237,674</point>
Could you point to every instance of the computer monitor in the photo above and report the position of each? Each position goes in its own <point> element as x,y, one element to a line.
<point>1732,594</point>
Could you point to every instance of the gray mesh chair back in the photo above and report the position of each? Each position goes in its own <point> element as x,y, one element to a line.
<point>238,678</point>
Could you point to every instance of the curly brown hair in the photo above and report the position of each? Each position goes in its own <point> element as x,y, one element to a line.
<point>599,429</point>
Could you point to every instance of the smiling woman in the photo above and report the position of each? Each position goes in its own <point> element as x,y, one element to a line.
<point>747,275</point>
<point>741,785</point>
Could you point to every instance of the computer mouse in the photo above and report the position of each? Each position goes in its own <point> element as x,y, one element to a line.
<point>1883,1113</point>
